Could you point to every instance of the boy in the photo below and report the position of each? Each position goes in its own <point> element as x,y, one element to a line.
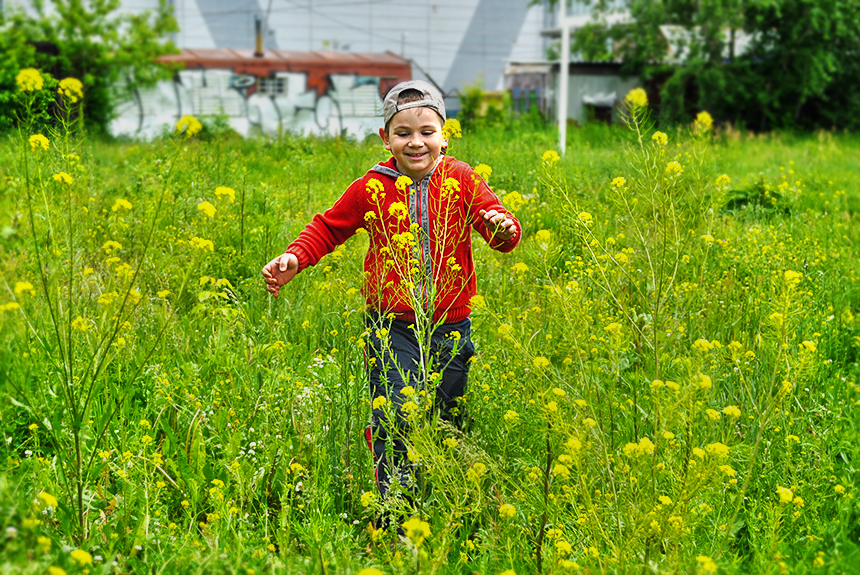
<point>418,209</point>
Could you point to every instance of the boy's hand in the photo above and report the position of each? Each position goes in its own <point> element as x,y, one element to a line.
<point>503,227</point>
<point>280,271</point>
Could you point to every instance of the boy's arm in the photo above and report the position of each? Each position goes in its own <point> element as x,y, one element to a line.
<point>279,272</point>
<point>321,236</point>
<point>488,216</point>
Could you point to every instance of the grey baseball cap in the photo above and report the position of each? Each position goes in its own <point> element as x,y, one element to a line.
<point>432,99</point>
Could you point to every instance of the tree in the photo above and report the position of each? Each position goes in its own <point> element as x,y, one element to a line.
<point>91,41</point>
<point>760,63</point>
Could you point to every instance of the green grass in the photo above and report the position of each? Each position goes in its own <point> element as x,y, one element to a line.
<point>186,422</point>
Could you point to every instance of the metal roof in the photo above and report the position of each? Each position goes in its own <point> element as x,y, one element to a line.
<point>318,65</point>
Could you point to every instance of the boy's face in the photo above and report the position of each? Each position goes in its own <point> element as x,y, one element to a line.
<point>414,138</point>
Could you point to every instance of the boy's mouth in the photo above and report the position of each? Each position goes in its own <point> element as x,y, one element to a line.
<point>416,155</point>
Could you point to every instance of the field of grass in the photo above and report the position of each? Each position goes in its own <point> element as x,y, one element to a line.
<point>666,376</point>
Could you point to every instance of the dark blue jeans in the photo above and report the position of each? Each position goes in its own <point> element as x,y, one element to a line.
<point>394,362</point>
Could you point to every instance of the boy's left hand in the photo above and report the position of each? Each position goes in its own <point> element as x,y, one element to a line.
<point>502,225</point>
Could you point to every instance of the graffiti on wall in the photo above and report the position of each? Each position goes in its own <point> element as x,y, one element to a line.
<point>276,105</point>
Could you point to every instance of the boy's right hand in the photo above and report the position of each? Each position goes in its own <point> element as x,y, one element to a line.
<point>280,271</point>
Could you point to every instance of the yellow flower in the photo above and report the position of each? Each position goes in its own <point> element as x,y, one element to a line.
<point>732,411</point>
<point>511,415</point>
<point>476,472</point>
<point>706,564</point>
<point>63,178</point>
<point>398,210</point>
<point>483,171</point>
<point>21,287</point>
<point>619,182</point>
<point>81,557</point>
<point>80,324</point>
<point>561,471</point>
<point>550,157</point>
<point>203,245</point>
<point>224,191</point>
<point>703,123</point>
<point>660,138</point>
<point>38,141</point>
<point>451,129</point>
<point>416,530</point>
<point>792,278</point>
<point>839,489</point>
<point>190,125</point>
<point>636,98</point>
<point>644,447</point>
<point>703,381</point>
<point>520,268</point>
<point>507,511</point>
<point>52,570</point>
<point>29,80</point>
<point>370,571</point>
<point>71,88</point>
<point>808,346</point>
<point>717,449</point>
<point>120,204</point>
<point>48,499</point>
<point>541,362</point>
<point>379,402</point>
<point>674,169</point>
<point>713,414</point>
<point>664,500</point>
<point>723,181</point>
<point>785,494</point>
<point>585,217</point>
<point>478,302</point>
<point>727,469</point>
<point>207,208</point>
<point>450,442</point>
<point>543,236</point>
<point>111,246</point>
<point>368,498</point>
<point>402,183</point>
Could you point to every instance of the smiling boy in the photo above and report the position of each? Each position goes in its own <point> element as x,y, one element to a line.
<point>418,208</point>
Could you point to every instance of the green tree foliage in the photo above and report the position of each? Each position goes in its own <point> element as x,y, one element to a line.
<point>89,40</point>
<point>763,64</point>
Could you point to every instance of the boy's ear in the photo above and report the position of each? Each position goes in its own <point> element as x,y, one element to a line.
<point>384,135</point>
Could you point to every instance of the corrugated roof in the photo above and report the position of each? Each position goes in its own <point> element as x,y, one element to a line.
<point>317,65</point>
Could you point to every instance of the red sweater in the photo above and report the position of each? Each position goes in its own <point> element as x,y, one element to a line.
<point>420,253</point>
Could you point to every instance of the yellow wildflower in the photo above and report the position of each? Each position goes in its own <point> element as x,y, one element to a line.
<point>674,169</point>
<point>660,138</point>
<point>619,182</point>
<point>584,217</point>
<point>451,128</point>
<point>507,511</point>
<point>541,362</point>
<point>48,499</point>
<point>81,557</point>
<point>207,208</point>
<point>63,178</point>
<point>38,141</point>
<point>29,80</point>
<point>121,204</point>
<point>703,123</point>
<point>550,157</point>
<point>225,191</point>
<point>785,494</point>
<point>190,125</point>
<point>706,564</point>
<point>636,98</point>
<point>483,171</point>
<point>732,411</point>
<point>416,530</point>
<point>71,88</point>
<point>21,287</point>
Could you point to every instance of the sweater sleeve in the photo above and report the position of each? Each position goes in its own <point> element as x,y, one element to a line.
<point>330,229</point>
<point>481,197</point>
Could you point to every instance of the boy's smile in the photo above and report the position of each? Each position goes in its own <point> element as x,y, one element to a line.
<point>414,138</point>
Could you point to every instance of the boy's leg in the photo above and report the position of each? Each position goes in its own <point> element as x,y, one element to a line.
<point>452,348</point>
<point>392,365</point>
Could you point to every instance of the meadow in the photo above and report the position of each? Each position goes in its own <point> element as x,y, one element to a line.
<point>666,375</point>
